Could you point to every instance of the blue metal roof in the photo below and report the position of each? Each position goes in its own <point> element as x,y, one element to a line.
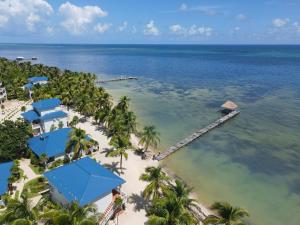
<point>28,86</point>
<point>52,143</point>
<point>5,174</point>
<point>30,115</point>
<point>37,79</point>
<point>46,104</point>
<point>83,181</point>
<point>53,115</point>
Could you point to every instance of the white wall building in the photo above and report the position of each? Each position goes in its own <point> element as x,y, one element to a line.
<point>46,115</point>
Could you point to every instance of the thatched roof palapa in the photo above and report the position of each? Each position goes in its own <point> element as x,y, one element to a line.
<point>229,105</point>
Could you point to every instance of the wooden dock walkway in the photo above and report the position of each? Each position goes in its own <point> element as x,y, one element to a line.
<point>196,135</point>
<point>116,79</point>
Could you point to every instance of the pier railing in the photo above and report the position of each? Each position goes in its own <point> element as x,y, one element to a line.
<point>196,135</point>
<point>116,79</point>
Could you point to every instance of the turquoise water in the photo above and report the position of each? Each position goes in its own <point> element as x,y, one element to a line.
<point>252,161</point>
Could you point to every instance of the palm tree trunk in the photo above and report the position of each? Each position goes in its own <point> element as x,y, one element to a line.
<point>121,161</point>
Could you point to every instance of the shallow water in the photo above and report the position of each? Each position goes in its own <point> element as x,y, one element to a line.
<point>253,160</point>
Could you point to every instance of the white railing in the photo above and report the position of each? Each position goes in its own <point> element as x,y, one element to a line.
<point>110,210</point>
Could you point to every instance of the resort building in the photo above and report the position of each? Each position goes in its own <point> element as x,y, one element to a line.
<point>34,81</point>
<point>3,94</point>
<point>86,182</point>
<point>4,175</point>
<point>46,115</point>
<point>52,144</point>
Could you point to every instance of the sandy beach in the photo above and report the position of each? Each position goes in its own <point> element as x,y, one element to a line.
<point>133,168</point>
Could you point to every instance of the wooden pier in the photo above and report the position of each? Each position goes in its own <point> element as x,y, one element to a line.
<point>196,135</point>
<point>116,79</point>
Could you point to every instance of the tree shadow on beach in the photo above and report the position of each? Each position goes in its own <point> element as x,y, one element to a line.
<point>106,151</point>
<point>138,201</point>
<point>114,167</point>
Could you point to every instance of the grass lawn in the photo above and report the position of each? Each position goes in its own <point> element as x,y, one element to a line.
<point>33,187</point>
<point>36,169</point>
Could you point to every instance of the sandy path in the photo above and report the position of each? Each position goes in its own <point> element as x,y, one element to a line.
<point>133,168</point>
<point>28,172</point>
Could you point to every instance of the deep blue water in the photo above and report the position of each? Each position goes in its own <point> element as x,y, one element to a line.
<point>254,160</point>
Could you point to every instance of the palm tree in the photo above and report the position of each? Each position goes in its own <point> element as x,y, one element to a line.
<point>74,121</point>
<point>101,115</point>
<point>18,210</point>
<point>80,214</point>
<point>183,192</point>
<point>43,160</point>
<point>123,104</point>
<point>157,182</point>
<point>78,142</point>
<point>229,215</point>
<point>121,144</point>
<point>74,215</point>
<point>169,211</point>
<point>149,137</point>
<point>22,222</point>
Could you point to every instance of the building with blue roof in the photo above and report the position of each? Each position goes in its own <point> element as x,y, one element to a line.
<point>35,80</point>
<point>46,114</point>
<point>84,181</point>
<point>4,175</point>
<point>52,144</point>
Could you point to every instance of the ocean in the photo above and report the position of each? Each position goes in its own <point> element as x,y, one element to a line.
<point>252,161</point>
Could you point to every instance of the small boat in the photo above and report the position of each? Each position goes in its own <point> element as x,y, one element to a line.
<point>20,58</point>
<point>34,58</point>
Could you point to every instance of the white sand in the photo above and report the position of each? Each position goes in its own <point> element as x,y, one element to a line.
<point>133,168</point>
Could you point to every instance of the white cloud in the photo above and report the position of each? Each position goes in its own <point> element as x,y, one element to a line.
<point>151,29</point>
<point>183,7</point>
<point>123,26</point>
<point>278,22</point>
<point>237,29</point>
<point>31,20</point>
<point>19,12</point>
<point>176,29</point>
<point>297,26</point>
<point>204,31</point>
<point>193,30</point>
<point>50,30</point>
<point>77,18</point>
<point>206,9</point>
<point>241,17</point>
<point>101,28</point>
<point>134,30</point>
<point>3,20</point>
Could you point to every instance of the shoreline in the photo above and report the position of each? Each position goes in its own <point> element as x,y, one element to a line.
<point>204,208</point>
<point>133,168</point>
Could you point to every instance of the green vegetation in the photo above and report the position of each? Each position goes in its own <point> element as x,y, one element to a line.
<point>55,164</point>
<point>170,203</point>
<point>20,212</point>
<point>37,165</point>
<point>228,215</point>
<point>74,215</point>
<point>149,137</point>
<point>23,108</point>
<point>157,182</point>
<point>17,211</point>
<point>16,172</point>
<point>33,187</point>
<point>121,144</point>
<point>74,122</point>
<point>78,142</point>
<point>13,138</point>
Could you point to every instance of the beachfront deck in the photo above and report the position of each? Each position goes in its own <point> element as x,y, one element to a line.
<point>116,79</point>
<point>196,135</point>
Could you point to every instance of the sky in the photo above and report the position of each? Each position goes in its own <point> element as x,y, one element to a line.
<point>150,21</point>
